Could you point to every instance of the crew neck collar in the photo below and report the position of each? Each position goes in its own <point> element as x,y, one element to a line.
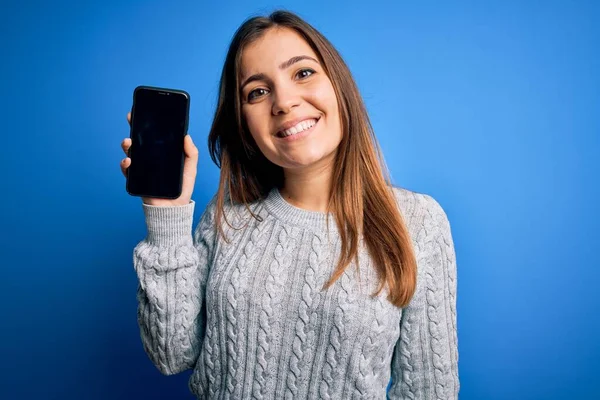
<point>286,212</point>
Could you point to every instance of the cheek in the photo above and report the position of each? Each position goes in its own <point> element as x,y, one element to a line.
<point>255,124</point>
<point>325,99</point>
<point>259,130</point>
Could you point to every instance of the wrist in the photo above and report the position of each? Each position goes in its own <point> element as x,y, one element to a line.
<point>165,202</point>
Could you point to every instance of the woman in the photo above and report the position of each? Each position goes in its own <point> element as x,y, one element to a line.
<point>308,275</point>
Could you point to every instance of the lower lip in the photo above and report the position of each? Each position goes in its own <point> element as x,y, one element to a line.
<point>298,136</point>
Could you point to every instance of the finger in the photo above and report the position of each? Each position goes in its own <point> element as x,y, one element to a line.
<point>125,163</point>
<point>190,149</point>
<point>129,118</point>
<point>125,145</point>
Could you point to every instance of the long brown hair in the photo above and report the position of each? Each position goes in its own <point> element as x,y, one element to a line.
<point>361,197</point>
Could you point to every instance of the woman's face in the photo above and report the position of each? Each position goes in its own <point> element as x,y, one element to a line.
<point>288,102</point>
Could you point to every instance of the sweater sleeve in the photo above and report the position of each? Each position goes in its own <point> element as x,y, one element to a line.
<point>425,359</point>
<point>172,267</point>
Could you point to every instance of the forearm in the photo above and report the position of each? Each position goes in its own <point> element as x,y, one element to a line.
<point>425,363</point>
<point>171,270</point>
<point>169,305</point>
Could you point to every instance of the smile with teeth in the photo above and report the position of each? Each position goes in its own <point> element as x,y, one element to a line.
<point>301,126</point>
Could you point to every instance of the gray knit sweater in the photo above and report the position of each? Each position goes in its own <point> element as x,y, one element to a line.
<point>249,317</point>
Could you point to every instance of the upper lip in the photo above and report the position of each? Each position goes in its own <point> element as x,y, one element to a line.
<point>294,122</point>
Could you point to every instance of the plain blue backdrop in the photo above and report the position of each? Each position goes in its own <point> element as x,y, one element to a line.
<point>490,107</point>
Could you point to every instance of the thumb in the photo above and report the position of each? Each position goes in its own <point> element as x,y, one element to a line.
<point>189,148</point>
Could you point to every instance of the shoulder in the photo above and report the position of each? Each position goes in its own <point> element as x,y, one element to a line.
<point>413,203</point>
<point>231,214</point>
<point>230,208</point>
<point>420,209</point>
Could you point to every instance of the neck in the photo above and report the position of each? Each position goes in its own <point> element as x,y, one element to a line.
<point>308,188</point>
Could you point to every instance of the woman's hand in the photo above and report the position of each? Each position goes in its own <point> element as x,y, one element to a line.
<point>190,167</point>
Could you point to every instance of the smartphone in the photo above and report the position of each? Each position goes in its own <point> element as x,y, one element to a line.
<point>159,123</point>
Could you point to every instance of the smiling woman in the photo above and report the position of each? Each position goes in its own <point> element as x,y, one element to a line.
<point>308,275</point>
<point>290,107</point>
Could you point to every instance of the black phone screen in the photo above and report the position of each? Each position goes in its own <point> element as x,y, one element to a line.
<point>158,127</point>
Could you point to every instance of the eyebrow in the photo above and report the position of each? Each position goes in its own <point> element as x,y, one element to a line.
<point>283,65</point>
<point>294,60</point>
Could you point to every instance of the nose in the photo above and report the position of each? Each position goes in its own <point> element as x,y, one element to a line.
<point>284,101</point>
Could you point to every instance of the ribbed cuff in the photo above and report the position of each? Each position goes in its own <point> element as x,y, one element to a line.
<point>169,225</point>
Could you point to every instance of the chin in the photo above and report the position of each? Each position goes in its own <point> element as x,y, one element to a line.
<point>305,160</point>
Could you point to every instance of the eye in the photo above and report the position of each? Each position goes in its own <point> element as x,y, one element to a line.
<point>256,93</point>
<point>304,73</point>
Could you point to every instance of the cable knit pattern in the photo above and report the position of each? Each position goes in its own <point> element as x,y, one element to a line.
<point>205,380</point>
<point>250,253</point>
<point>310,297</point>
<point>268,324</point>
<point>448,257</point>
<point>366,373</point>
<point>430,371</point>
<point>338,340</point>
<point>404,352</point>
<point>249,317</point>
<point>232,329</point>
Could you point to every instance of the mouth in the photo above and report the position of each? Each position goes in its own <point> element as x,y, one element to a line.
<point>297,129</point>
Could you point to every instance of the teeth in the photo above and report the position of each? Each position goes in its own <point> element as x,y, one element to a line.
<point>301,126</point>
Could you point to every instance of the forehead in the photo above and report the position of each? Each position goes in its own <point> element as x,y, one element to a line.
<point>273,48</point>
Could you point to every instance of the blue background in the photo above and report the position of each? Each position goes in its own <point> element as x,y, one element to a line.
<point>490,107</point>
